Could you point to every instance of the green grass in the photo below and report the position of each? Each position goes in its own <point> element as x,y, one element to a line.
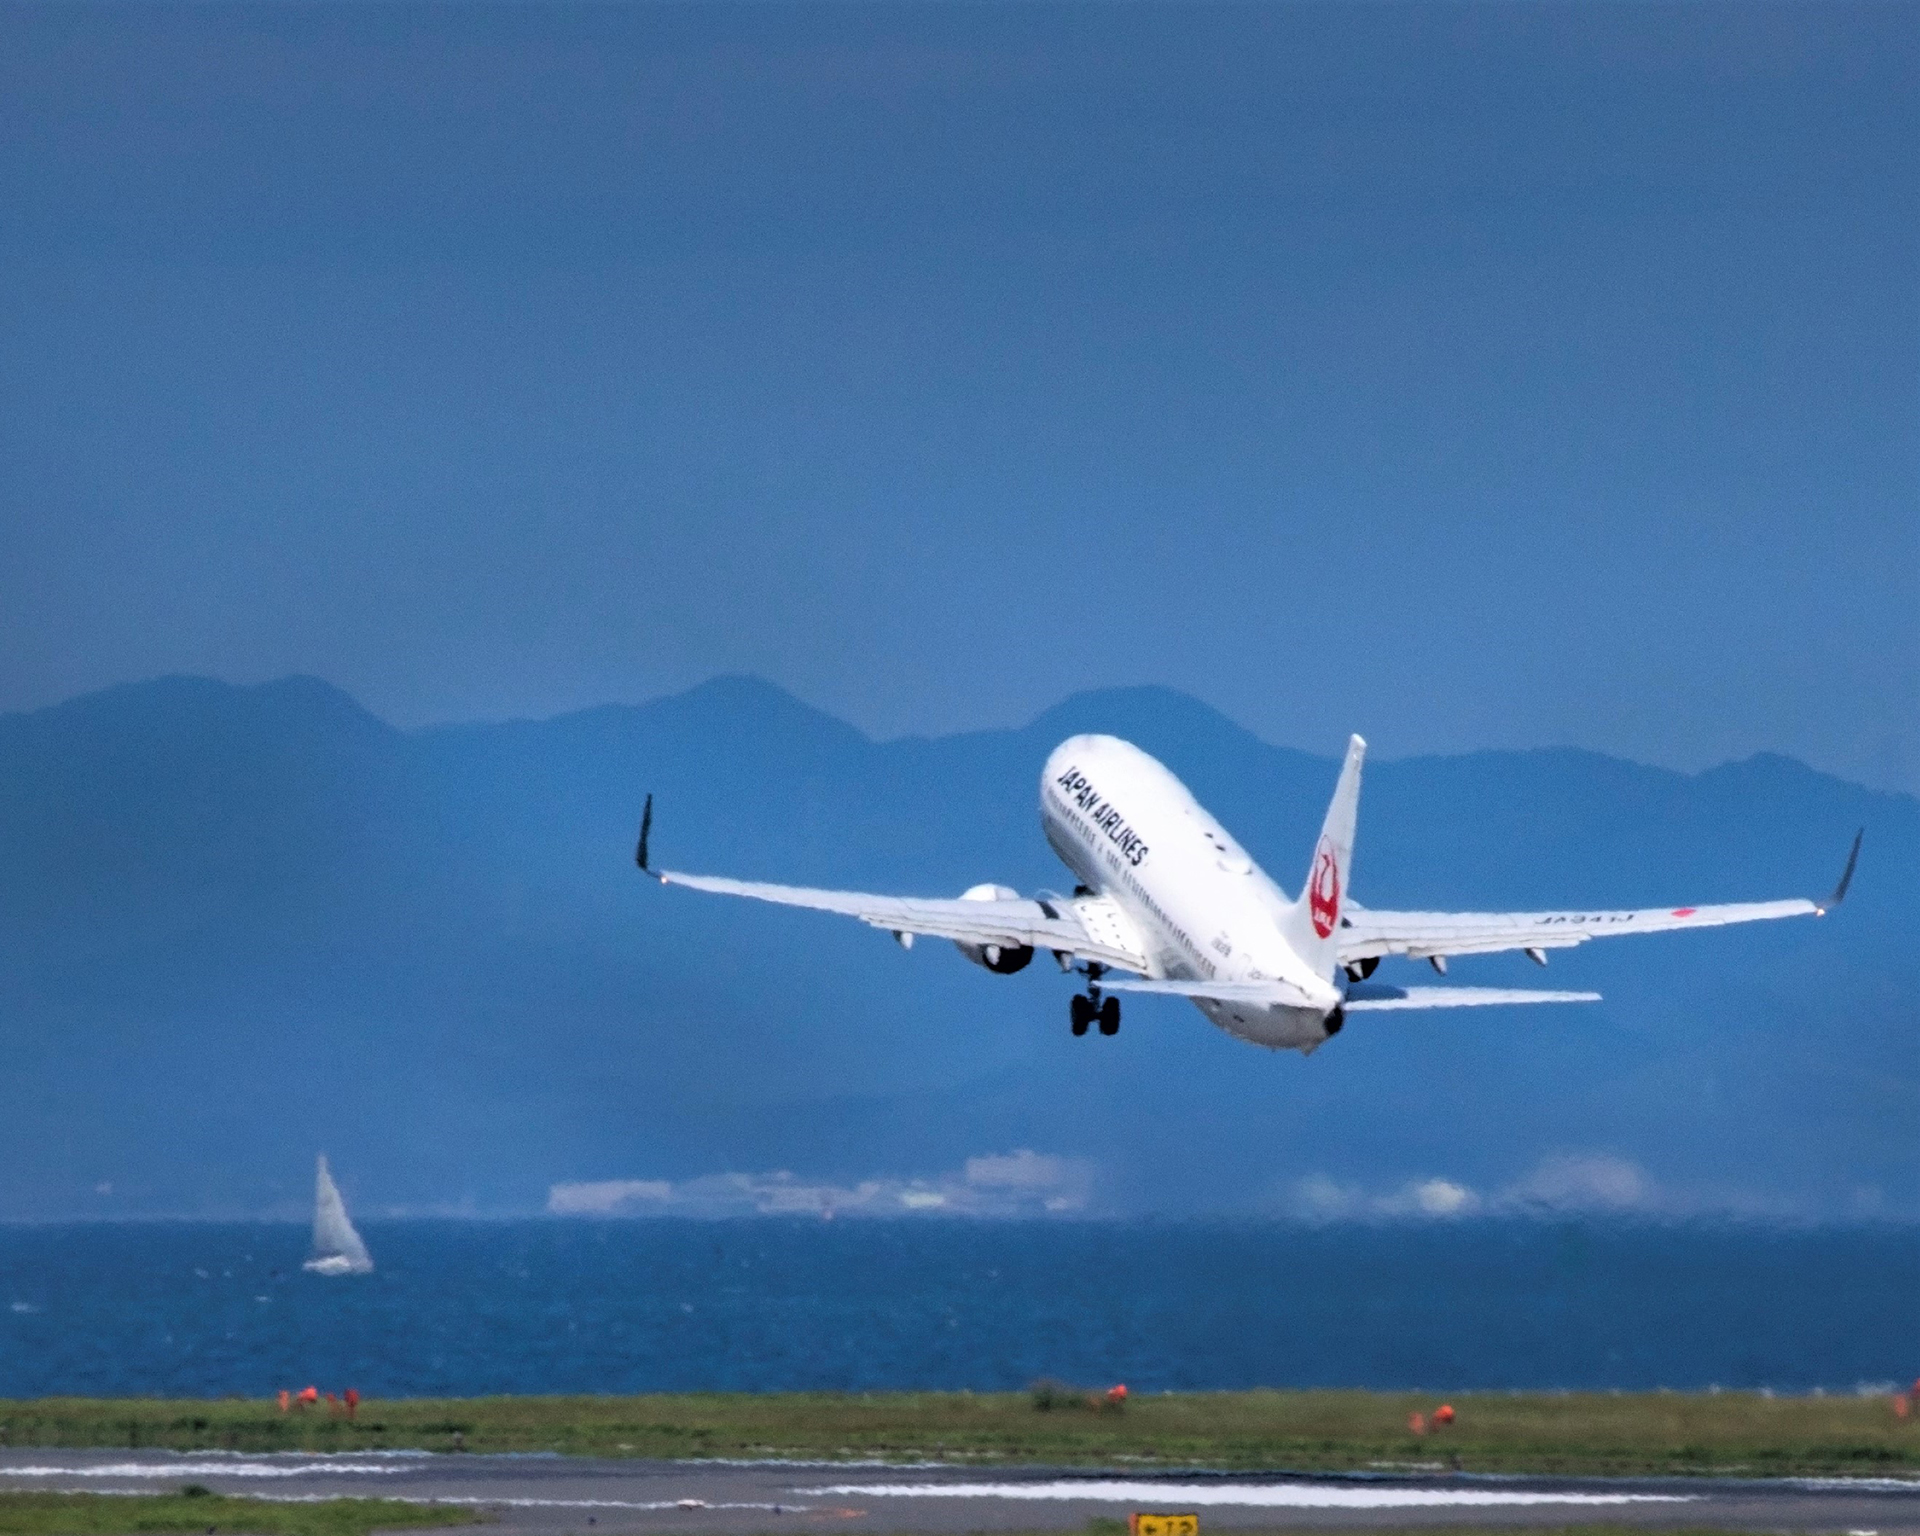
<point>97,1514</point>
<point>1575,1433</point>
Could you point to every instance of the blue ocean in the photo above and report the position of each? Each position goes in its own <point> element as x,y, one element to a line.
<point>471,1307</point>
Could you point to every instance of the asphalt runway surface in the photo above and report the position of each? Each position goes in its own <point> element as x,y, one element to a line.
<point>554,1494</point>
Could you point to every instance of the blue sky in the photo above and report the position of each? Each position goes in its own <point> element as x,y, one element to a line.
<point>1468,375</point>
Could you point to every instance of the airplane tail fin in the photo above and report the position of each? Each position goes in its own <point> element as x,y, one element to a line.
<point>1312,923</point>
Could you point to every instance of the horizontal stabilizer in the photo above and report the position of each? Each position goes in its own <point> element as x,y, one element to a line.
<point>1366,995</point>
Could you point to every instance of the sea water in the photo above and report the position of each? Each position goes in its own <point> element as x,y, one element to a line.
<point>457,1308</point>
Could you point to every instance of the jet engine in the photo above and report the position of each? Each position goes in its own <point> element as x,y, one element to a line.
<point>1001,959</point>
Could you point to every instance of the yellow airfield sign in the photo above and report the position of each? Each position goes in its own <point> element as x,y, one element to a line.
<point>1163,1525</point>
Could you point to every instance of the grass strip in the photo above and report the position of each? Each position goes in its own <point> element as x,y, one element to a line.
<point>100,1514</point>
<point>1664,1433</point>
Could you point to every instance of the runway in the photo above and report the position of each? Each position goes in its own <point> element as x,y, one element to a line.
<point>555,1494</point>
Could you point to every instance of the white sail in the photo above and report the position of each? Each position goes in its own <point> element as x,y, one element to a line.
<point>337,1249</point>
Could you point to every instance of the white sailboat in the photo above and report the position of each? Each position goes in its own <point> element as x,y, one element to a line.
<point>337,1249</point>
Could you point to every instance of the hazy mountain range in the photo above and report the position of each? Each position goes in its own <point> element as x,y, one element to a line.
<point>242,925</point>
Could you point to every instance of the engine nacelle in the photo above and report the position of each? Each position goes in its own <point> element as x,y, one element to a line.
<point>1001,959</point>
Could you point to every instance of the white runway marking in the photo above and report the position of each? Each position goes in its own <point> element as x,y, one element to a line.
<point>1851,1484</point>
<point>489,1501</point>
<point>222,1468</point>
<point>1258,1495</point>
<point>778,1509</point>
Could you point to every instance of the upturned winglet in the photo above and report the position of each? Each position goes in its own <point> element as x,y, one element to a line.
<point>646,831</point>
<point>1846,876</point>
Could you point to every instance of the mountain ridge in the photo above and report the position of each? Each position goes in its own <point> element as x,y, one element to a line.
<point>236,922</point>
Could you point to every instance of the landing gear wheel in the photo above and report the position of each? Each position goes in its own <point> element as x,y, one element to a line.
<point>1080,1010</point>
<point>1110,1016</point>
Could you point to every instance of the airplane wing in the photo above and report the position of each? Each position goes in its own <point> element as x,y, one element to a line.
<point>1369,997</point>
<point>1088,928</point>
<point>1369,933</point>
<point>1065,926</point>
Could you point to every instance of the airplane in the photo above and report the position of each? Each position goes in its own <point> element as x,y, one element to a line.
<point>1165,893</point>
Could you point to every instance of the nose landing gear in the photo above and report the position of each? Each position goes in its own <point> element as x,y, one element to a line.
<point>1092,1008</point>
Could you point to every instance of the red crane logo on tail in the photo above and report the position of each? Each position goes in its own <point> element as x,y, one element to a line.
<point>1323,890</point>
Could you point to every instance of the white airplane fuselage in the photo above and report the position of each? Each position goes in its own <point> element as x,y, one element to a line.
<point>1202,909</point>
